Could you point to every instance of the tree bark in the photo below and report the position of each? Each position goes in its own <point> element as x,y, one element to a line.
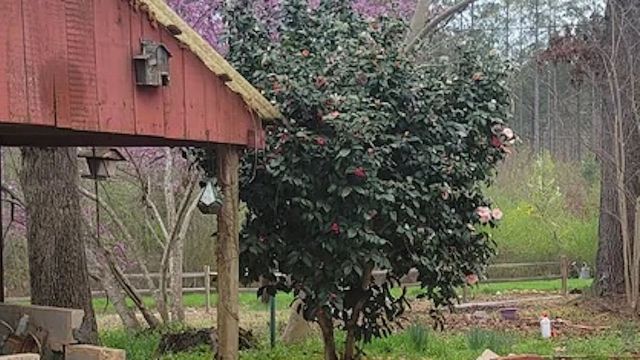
<point>57,259</point>
<point>326,326</point>
<point>536,86</point>
<point>619,80</point>
<point>175,265</point>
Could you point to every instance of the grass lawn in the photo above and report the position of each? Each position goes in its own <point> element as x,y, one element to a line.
<point>248,300</point>
<point>417,342</point>
<point>405,346</point>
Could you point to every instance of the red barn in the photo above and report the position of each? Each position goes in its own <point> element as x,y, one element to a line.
<point>129,73</point>
<point>67,77</point>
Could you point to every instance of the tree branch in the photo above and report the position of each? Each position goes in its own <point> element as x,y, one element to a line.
<point>183,210</point>
<point>169,196</point>
<point>433,24</point>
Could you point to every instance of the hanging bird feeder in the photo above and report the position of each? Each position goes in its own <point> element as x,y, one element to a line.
<point>210,198</point>
<point>101,162</point>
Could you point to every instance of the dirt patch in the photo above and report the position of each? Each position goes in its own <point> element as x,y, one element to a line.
<point>572,317</point>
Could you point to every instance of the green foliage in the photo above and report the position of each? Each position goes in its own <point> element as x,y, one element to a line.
<point>629,336</point>
<point>540,224</point>
<point>545,194</point>
<point>398,346</point>
<point>379,163</point>
<point>481,339</point>
<point>419,337</point>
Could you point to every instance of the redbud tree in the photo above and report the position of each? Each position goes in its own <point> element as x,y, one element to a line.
<point>379,163</point>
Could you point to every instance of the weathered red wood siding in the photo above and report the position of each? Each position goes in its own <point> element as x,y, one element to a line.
<point>68,65</point>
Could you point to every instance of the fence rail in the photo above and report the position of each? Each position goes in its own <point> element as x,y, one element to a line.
<point>207,276</point>
<point>563,276</point>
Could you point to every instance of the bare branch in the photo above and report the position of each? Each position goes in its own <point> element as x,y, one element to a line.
<point>169,196</point>
<point>435,22</point>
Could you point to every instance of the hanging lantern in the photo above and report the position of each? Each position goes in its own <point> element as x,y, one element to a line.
<point>101,162</point>
<point>210,198</point>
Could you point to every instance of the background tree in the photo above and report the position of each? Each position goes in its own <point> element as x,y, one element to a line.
<point>166,188</point>
<point>58,266</point>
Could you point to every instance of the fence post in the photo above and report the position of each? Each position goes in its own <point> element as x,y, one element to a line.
<point>465,290</point>
<point>564,272</point>
<point>207,287</point>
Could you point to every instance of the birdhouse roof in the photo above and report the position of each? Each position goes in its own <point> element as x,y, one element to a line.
<point>101,153</point>
<point>159,10</point>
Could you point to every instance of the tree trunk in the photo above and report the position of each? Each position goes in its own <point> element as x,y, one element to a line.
<point>57,259</point>
<point>620,78</point>
<point>326,326</point>
<point>96,262</point>
<point>115,270</point>
<point>352,324</point>
<point>176,262</point>
<point>536,87</point>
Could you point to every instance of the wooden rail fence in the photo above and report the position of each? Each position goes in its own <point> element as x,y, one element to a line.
<point>562,275</point>
<point>208,277</point>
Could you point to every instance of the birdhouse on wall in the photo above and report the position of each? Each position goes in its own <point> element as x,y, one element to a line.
<point>101,162</point>
<point>152,66</point>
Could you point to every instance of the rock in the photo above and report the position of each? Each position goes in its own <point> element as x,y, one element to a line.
<point>189,339</point>
<point>488,355</point>
<point>20,357</point>
<point>481,315</point>
<point>298,329</point>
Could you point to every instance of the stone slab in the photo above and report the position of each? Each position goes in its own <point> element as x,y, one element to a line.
<point>59,323</point>
<point>90,352</point>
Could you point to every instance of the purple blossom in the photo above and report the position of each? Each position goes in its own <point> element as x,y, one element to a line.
<point>204,15</point>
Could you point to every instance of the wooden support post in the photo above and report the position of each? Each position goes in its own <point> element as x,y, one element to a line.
<point>228,265</point>
<point>207,287</point>
<point>1,237</point>
<point>564,272</point>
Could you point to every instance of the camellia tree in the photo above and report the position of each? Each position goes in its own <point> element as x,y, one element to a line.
<point>379,163</point>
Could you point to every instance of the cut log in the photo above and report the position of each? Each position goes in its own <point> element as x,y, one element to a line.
<point>21,357</point>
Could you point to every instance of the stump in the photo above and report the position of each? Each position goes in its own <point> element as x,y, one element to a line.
<point>191,339</point>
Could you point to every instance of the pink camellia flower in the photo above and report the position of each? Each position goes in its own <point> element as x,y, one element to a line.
<point>508,133</point>
<point>321,141</point>
<point>334,114</point>
<point>360,172</point>
<point>484,213</point>
<point>335,228</point>
<point>472,279</point>
<point>497,214</point>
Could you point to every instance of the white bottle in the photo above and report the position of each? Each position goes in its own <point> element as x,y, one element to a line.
<point>545,326</point>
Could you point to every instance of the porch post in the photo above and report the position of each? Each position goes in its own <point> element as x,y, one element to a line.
<point>227,262</point>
